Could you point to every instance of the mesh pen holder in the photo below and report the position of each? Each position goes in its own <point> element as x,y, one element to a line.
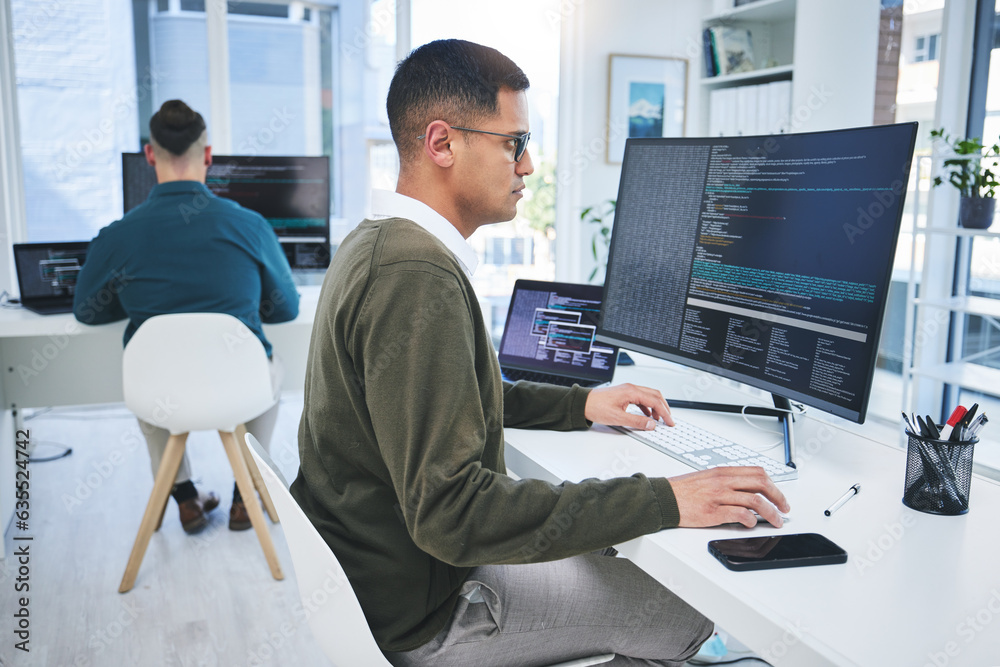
<point>938,475</point>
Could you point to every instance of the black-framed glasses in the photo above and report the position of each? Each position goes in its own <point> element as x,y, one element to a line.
<point>520,140</point>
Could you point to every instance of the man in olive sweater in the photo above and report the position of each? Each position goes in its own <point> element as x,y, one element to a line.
<point>401,438</point>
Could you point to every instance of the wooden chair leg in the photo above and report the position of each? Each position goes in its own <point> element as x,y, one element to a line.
<point>159,522</point>
<point>165,477</point>
<point>162,512</point>
<point>245,486</point>
<point>258,481</point>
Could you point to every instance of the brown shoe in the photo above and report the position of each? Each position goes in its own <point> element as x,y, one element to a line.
<point>194,511</point>
<point>238,517</point>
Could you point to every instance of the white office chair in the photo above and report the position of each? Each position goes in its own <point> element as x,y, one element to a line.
<point>337,623</point>
<point>193,372</point>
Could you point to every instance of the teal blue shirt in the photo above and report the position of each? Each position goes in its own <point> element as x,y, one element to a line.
<point>184,250</point>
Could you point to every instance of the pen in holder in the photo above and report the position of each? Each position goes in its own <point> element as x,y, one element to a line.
<point>938,474</point>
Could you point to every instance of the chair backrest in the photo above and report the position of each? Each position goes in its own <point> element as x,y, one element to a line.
<point>196,371</point>
<point>332,609</point>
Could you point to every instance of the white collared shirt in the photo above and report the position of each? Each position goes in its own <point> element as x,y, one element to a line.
<point>389,204</point>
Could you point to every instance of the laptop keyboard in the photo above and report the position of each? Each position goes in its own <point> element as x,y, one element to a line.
<point>49,308</point>
<point>514,374</point>
<point>703,449</point>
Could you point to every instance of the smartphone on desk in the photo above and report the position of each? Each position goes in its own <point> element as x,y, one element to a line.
<point>774,551</point>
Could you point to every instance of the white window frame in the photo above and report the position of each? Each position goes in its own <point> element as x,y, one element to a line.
<point>955,55</point>
<point>12,210</point>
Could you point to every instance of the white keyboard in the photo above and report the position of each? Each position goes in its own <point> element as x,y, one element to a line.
<point>703,449</point>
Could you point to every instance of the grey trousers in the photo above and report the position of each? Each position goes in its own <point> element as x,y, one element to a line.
<point>261,427</point>
<point>545,613</point>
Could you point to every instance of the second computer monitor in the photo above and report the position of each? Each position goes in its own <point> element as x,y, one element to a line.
<point>291,192</point>
<point>766,260</point>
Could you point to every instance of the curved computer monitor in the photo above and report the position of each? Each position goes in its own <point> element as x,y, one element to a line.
<point>291,192</point>
<point>764,259</point>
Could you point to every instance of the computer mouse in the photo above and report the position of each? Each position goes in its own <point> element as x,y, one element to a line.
<point>784,517</point>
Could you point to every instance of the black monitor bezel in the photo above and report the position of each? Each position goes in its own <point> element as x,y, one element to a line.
<point>639,345</point>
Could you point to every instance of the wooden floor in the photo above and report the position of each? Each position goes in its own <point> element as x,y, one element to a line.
<point>207,599</point>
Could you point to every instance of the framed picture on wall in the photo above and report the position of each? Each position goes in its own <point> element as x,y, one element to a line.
<point>647,97</point>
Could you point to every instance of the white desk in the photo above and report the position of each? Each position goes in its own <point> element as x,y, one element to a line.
<point>917,589</point>
<point>53,360</point>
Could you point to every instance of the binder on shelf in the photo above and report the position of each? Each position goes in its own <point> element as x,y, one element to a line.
<point>781,113</point>
<point>763,109</point>
<point>772,118</point>
<point>729,119</point>
<point>715,109</point>
<point>746,108</point>
<point>750,110</point>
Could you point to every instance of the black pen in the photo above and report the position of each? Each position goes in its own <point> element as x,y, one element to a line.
<point>932,429</point>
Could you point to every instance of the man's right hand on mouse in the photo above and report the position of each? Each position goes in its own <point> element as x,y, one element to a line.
<point>728,495</point>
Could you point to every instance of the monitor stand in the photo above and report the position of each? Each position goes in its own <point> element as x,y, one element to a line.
<point>782,410</point>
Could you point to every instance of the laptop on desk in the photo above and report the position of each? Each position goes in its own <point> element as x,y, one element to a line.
<point>46,274</point>
<point>549,335</point>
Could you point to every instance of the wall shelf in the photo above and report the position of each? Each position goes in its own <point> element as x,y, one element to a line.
<point>963,373</point>
<point>762,10</point>
<point>755,76</point>
<point>972,305</point>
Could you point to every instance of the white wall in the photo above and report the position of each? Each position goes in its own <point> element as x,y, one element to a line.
<point>836,49</point>
<point>591,32</point>
<point>833,87</point>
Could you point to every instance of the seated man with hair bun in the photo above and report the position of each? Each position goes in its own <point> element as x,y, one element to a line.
<point>184,250</point>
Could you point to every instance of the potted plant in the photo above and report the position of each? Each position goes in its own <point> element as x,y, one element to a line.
<point>971,169</point>
<point>601,215</point>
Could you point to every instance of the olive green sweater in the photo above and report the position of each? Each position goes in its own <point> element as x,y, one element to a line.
<point>401,440</point>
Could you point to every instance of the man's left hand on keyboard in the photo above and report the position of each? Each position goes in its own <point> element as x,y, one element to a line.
<point>609,406</point>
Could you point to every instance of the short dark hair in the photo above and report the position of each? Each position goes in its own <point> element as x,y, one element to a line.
<point>451,80</point>
<point>176,126</point>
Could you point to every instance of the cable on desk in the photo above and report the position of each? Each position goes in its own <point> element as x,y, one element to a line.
<point>37,413</point>
<point>7,302</point>
<point>799,410</point>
